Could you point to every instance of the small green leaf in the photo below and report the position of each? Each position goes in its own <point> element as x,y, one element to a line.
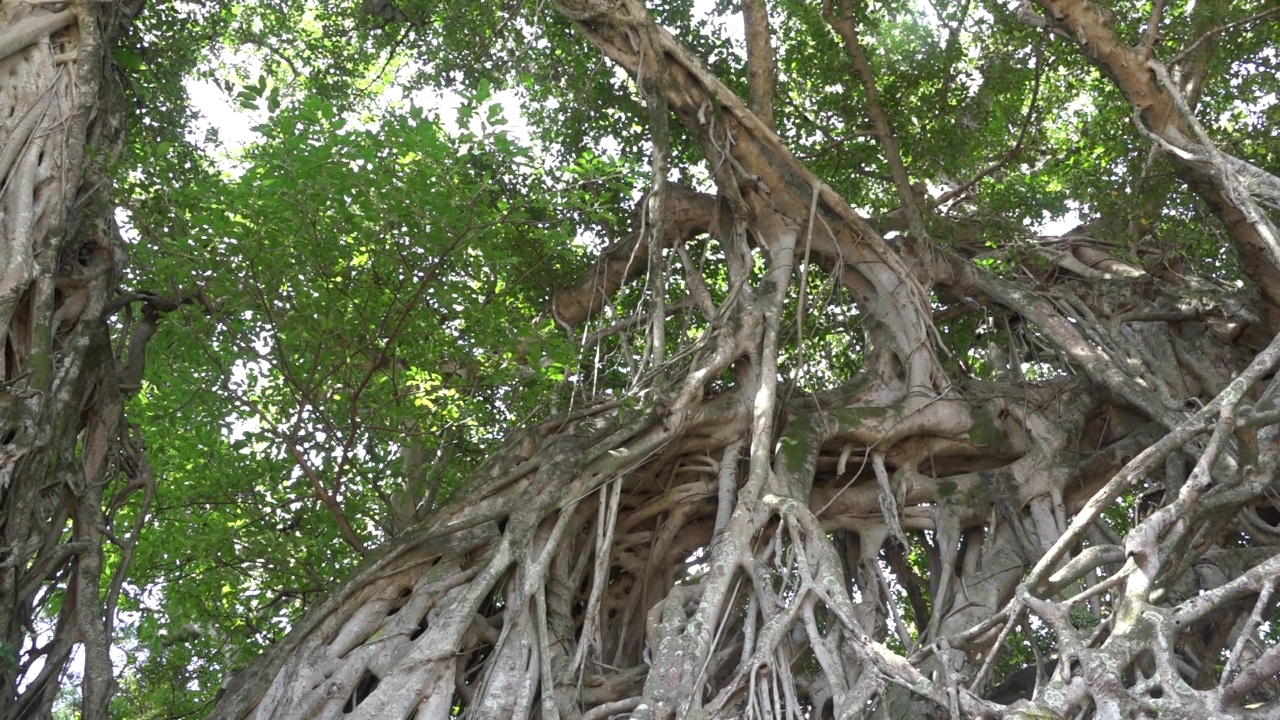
<point>128,59</point>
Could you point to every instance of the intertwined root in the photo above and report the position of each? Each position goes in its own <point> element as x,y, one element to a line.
<point>591,580</point>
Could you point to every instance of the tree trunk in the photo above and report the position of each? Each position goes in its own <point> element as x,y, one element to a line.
<point>66,462</point>
<point>740,550</point>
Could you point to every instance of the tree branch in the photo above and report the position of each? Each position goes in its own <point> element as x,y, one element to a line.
<point>760,67</point>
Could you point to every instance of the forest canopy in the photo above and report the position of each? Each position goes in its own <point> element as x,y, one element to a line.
<point>593,358</point>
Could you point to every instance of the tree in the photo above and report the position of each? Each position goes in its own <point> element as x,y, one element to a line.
<point>67,458</point>
<point>834,431</point>
<point>725,544</point>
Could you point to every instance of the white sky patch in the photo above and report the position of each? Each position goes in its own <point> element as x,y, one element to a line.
<point>233,125</point>
<point>1252,111</point>
<point>447,104</point>
<point>1059,226</point>
<point>730,22</point>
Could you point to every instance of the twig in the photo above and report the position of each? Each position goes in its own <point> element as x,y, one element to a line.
<point>1014,151</point>
<point>1220,29</point>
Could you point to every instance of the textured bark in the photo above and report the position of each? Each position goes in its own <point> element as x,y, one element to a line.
<point>64,454</point>
<point>760,64</point>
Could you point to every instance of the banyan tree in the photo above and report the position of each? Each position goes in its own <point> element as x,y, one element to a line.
<point>849,432</point>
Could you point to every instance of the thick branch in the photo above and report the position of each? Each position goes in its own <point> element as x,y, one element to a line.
<point>686,214</point>
<point>1160,109</point>
<point>760,70</point>
<point>844,25</point>
<point>780,189</point>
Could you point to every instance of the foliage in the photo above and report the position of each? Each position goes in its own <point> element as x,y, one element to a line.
<point>359,330</point>
<point>377,298</point>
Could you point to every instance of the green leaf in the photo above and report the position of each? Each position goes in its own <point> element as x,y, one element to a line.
<point>128,59</point>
